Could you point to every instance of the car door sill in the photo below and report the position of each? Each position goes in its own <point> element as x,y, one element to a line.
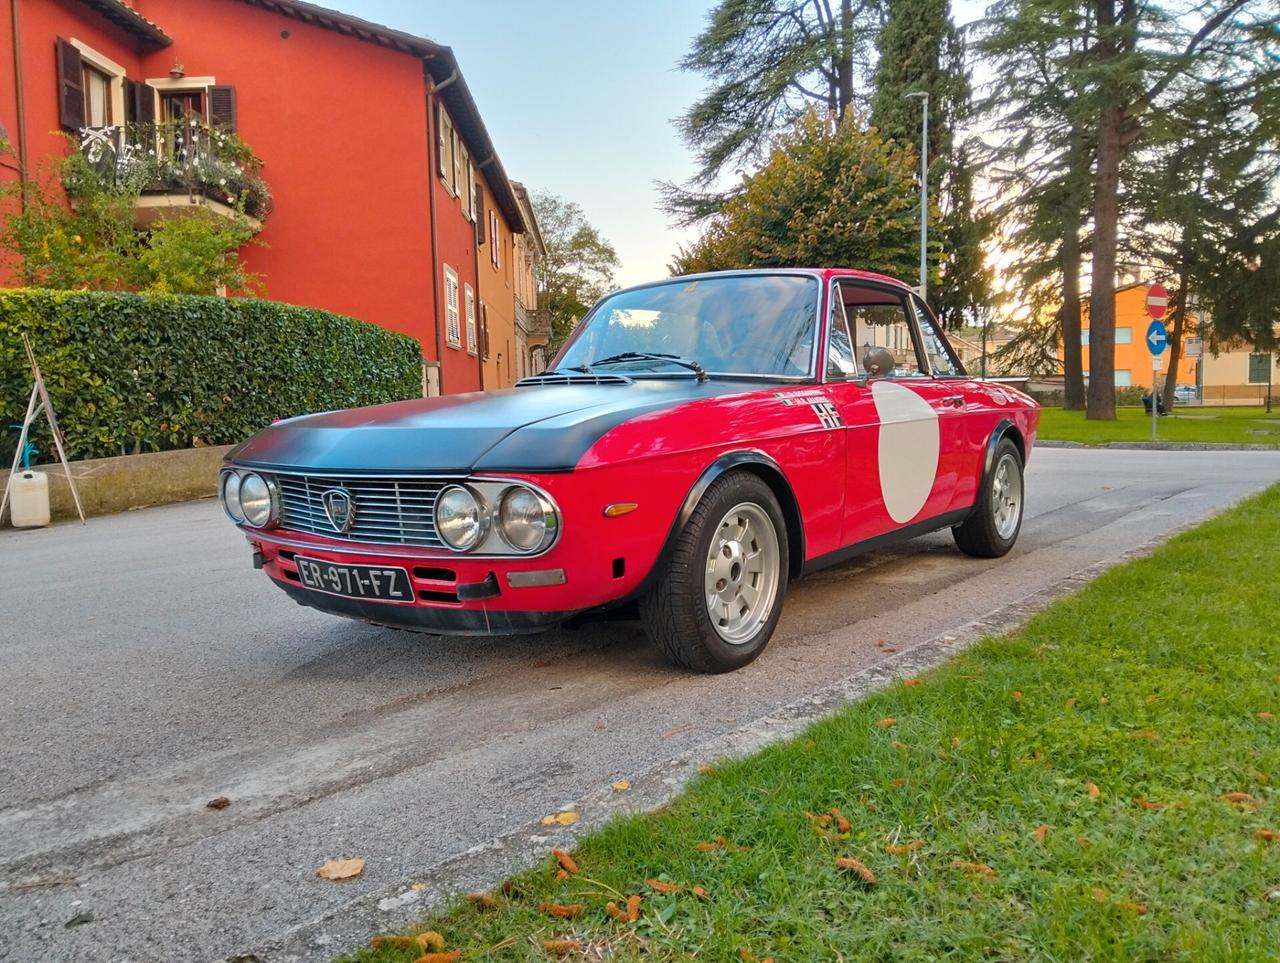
<point>945,520</point>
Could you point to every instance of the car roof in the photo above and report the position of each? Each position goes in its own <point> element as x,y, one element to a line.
<point>825,274</point>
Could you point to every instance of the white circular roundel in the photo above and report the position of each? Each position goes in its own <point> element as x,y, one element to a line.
<point>909,444</point>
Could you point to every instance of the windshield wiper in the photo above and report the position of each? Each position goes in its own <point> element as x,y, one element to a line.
<point>675,359</point>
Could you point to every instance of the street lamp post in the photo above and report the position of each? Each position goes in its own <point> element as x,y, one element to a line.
<point>923,96</point>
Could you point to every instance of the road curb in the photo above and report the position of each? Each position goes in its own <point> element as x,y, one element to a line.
<point>1155,445</point>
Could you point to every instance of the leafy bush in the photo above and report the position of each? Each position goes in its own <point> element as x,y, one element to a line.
<point>149,372</point>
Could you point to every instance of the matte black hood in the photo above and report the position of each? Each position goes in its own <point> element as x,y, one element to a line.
<point>537,428</point>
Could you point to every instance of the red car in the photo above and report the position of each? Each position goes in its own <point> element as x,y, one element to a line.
<point>699,442</point>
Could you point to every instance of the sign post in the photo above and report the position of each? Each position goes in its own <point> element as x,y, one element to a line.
<point>1157,341</point>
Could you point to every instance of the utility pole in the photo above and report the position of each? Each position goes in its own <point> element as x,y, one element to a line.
<point>923,97</point>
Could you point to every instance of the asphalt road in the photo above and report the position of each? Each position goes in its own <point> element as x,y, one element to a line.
<point>145,669</point>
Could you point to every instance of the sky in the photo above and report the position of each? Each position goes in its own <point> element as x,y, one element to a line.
<point>579,97</point>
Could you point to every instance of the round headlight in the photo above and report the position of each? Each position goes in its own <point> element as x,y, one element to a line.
<point>461,519</point>
<point>256,500</point>
<point>230,495</point>
<point>526,521</point>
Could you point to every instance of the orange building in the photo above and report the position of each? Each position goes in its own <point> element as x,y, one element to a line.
<point>370,139</point>
<point>1133,358</point>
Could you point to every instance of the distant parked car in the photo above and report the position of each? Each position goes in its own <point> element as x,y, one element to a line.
<point>1185,394</point>
<point>698,443</point>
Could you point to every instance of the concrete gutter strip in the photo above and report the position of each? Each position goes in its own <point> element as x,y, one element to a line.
<point>1156,445</point>
<point>120,484</point>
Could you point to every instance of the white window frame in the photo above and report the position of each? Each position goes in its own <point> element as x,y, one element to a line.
<point>114,71</point>
<point>452,332</point>
<point>446,144</point>
<point>459,177</point>
<point>472,341</point>
<point>496,240</point>
<point>163,85</point>
<point>469,205</point>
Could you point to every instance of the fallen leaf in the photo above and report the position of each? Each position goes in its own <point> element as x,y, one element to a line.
<point>561,947</point>
<point>483,900</point>
<point>903,782</point>
<point>662,887</point>
<point>222,802</point>
<point>418,887</point>
<point>1139,908</point>
<point>1093,790</point>
<point>1267,835</point>
<point>1146,803</point>
<point>908,683</point>
<point>567,862</point>
<point>849,864</point>
<point>451,957</point>
<point>1100,894</point>
<point>633,907</point>
<point>707,770</point>
<point>899,745</point>
<point>1071,703</point>
<point>548,820</point>
<point>561,875</point>
<point>1083,841</point>
<point>744,954</point>
<point>886,723</point>
<point>400,942</point>
<point>955,742</point>
<point>563,911</point>
<point>1103,701</point>
<point>1017,695</point>
<point>430,940</point>
<point>701,893</point>
<point>901,849</point>
<point>611,908</point>
<point>1041,832</point>
<point>1146,734</point>
<point>810,744</point>
<point>1266,716</point>
<point>1240,798</point>
<point>843,825</point>
<point>567,818</point>
<point>621,786</point>
<point>341,869</point>
<point>980,869</point>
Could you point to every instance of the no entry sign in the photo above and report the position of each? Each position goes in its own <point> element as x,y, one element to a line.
<point>1157,300</point>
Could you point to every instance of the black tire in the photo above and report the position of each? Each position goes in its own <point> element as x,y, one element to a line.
<point>986,533</point>
<point>675,611</point>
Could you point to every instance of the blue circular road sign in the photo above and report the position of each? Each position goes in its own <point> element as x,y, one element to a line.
<point>1157,338</point>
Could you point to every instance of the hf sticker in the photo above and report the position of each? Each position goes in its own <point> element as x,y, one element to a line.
<point>827,414</point>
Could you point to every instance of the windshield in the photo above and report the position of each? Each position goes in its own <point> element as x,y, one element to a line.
<point>738,324</point>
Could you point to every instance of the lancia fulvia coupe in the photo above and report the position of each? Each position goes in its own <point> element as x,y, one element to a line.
<point>697,443</point>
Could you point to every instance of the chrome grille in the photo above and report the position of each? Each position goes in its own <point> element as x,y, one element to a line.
<point>571,378</point>
<point>399,511</point>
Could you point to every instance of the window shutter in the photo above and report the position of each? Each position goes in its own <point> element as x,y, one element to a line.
<point>440,140</point>
<point>70,87</point>
<point>478,207</point>
<point>139,104</point>
<point>222,106</point>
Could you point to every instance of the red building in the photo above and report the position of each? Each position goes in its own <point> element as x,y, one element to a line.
<point>370,139</point>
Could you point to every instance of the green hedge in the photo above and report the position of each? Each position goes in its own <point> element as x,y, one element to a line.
<point>147,372</point>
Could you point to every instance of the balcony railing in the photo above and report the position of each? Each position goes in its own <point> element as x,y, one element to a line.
<point>164,161</point>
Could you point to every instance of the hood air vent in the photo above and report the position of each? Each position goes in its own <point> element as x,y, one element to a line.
<point>572,378</point>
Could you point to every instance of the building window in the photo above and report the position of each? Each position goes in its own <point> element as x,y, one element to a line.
<point>1084,338</point>
<point>97,97</point>
<point>451,332</point>
<point>1124,378</point>
<point>484,330</point>
<point>459,165</point>
<point>182,105</point>
<point>1259,368</point>
<point>495,240</point>
<point>471,320</point>
<point>1124,335</point>
<point>444,146</point>
<point>469,202</point>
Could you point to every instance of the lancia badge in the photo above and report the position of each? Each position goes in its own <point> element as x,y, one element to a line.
<point>339,508</point>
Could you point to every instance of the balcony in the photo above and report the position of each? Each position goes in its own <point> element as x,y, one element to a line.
<point>173,169</point>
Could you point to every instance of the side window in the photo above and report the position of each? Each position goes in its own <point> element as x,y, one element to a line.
<point>881,330</point>
<point>939,354</point>
<point>841,363</point>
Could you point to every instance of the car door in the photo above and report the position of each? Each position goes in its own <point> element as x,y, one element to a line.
<point>902,454</point>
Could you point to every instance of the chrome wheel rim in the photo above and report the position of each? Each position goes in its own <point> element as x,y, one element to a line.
<point>741,582</point>
<point>1006,496</point>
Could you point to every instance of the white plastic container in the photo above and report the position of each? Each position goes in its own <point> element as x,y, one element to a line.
<point>29,499</point>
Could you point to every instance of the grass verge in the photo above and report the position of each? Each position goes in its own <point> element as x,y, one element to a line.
<point>1066,792</point>
<point>1235,426</point>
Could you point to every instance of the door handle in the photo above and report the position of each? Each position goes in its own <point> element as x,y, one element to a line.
<point>956,401</point>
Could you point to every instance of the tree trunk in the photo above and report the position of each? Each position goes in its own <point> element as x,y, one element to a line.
<point>1072,367</point>
<point>844,65</point>
<point>1175,335</point>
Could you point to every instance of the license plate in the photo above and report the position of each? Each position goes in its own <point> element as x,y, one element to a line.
<point>377,583</point>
